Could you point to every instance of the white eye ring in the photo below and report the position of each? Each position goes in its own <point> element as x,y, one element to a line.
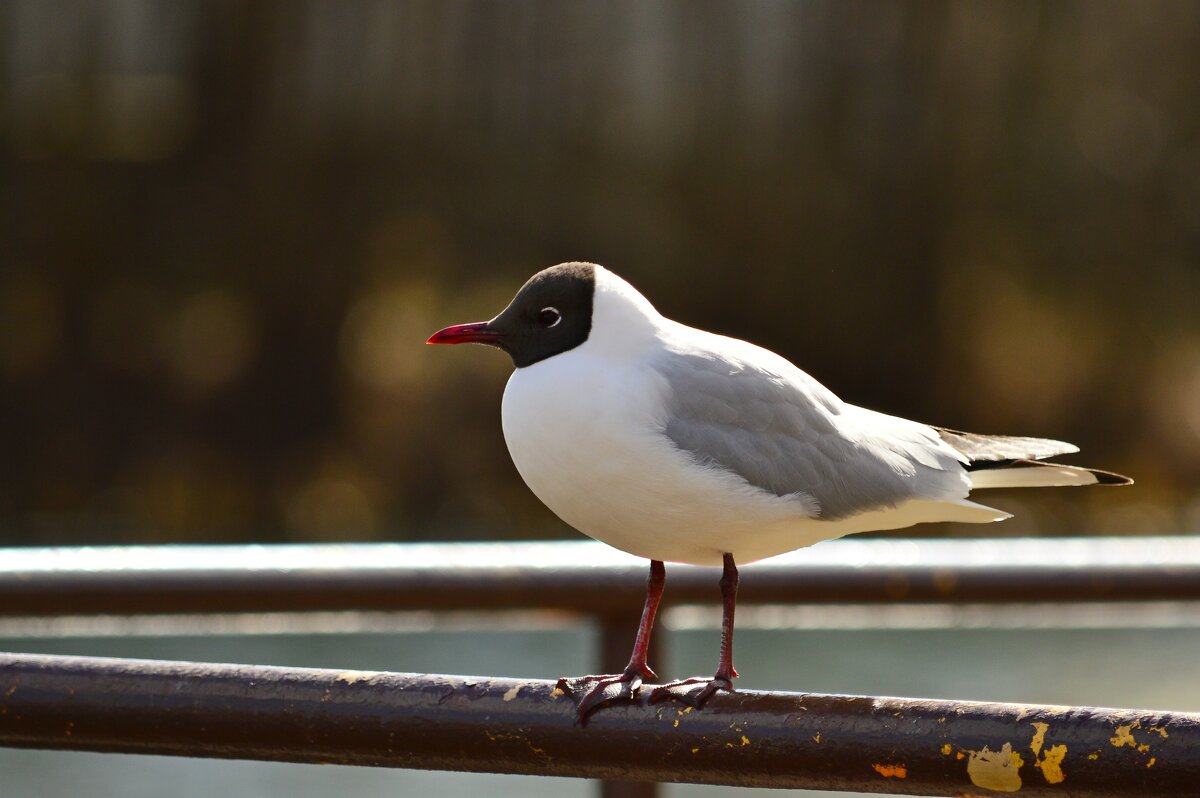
<point>557,316</point>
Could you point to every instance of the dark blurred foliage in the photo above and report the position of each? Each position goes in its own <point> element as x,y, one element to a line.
<point>226,229</point>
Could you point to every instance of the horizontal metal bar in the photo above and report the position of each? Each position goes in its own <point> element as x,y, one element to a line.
<point>882,745</point>
<point>1107,615</point>
<point>581,576</point>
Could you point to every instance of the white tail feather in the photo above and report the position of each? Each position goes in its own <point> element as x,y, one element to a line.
<point>1040,476</point>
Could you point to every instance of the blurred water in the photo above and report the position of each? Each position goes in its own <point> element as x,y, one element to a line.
<point>1107,667</point>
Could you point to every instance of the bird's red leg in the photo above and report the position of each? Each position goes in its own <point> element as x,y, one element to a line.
<point>698,689</point>
<point>600,690</point>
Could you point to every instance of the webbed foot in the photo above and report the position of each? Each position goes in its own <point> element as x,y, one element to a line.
<point>594,692</point>
<point>694,692</point>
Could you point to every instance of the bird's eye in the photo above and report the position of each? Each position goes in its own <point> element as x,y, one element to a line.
<point>549,317</point>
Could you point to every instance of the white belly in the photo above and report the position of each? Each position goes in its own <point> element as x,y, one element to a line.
<point>587,440</point>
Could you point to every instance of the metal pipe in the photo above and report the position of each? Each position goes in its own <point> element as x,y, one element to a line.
<point>617,632</point>
<point>585,577</point>
<point>881,745</point>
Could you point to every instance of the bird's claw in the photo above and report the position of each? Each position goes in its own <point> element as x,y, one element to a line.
<point>598,691</point>
<point>694,691</point>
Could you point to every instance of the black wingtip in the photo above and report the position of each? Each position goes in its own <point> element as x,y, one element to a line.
<point>1102,477</point>
<point>1110,478</point>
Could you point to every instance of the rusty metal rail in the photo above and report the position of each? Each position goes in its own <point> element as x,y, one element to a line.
<point>582,577</point>
<point>881,745</point>
<point>271,713</point>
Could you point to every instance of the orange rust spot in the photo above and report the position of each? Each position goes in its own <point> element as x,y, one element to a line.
<point>1124,735</point>
<point>999,771</point>
<point>1150,764</point>
<point>891,771</point>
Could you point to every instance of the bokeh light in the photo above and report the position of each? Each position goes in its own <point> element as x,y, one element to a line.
<point>226,231</point>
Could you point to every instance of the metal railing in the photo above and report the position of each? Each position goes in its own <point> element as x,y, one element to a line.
<point>582,577</point>
<point>748,738</point>
<point>877,745</point>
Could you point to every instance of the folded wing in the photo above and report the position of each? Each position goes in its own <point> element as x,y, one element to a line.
<point>781,431</point>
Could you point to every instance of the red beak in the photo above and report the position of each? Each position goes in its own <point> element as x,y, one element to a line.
<point>476,333</point>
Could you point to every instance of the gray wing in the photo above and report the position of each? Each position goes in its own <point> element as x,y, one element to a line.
<point>783,432</point>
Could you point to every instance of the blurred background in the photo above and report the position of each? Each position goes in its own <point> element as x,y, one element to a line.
<point>226,229</point>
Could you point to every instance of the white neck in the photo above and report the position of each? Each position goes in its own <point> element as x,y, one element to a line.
<point>622,319</point>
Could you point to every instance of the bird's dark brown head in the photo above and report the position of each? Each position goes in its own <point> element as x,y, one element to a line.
<point>551,314</point>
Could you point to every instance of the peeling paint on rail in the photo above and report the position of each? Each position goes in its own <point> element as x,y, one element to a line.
<point>786,740</point>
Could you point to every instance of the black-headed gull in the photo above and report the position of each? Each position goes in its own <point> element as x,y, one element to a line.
<point>679,445</point>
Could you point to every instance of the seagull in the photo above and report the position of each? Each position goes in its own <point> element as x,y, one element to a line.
<point>683,446</point>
